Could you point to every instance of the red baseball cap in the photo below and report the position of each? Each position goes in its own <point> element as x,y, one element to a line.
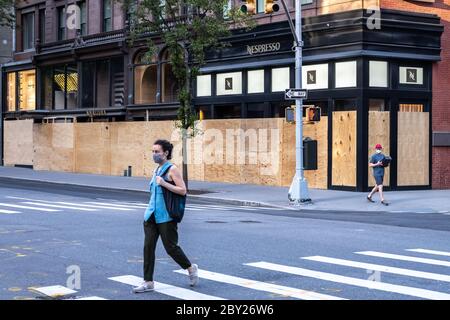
<point>378,146</point>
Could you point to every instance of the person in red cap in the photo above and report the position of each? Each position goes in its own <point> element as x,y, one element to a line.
<point>376,162</point>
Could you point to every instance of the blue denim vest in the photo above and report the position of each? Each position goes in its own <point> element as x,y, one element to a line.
<point>156,204</point>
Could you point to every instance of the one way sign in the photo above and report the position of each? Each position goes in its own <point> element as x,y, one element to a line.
<point>292,94</point>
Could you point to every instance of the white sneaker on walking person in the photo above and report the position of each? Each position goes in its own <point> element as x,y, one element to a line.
<point>144,287</point>
<point>193,275</point>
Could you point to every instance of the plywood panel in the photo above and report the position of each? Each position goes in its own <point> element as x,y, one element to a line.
<point>379,133</point>
<point>344,148</point>
<point>18,142</point>
<point>316,131</point>
<point>54,147</point>
<point>413,148</point>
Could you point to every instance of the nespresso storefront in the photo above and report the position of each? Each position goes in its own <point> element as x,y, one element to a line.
<point>372,85</point>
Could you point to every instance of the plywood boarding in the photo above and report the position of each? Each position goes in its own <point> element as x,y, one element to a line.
<point>18,142</point>
<point>344,148</point>
<point>93,148</point>
<point>413,148</point>
<point>316,131</point>
<point>242,151</point>
<point>379,133</point>
<point>54,147</point>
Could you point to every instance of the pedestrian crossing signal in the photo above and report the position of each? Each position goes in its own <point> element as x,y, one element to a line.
<point>313,114</point>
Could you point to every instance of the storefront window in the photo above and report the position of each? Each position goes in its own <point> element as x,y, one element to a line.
<point>411,75</point>
<point>227,111</point>
<point>145,80</point>
<point>103,84</point>
<point>255,82</point>
<point>378,74</point>
<point>27,90</point>
<point>169,84</point>
<point>377,105</point>
<point>346,74</point>
<point>47,89</point>
<point>72,87</point>
<point>229,83</point>
<point>315,76</point>
<point>87,85</point>
<point>204,85</point>
<point>280,79</point>
<point>11,91</point>
<point>59,85</point>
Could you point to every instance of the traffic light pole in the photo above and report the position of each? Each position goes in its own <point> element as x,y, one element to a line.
<point>298,192</point>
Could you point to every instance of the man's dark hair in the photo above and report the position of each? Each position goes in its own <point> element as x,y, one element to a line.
<point>166,146</point>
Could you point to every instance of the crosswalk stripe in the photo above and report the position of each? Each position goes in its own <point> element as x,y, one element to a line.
<point>262,286</point>
<point>91,298</point>
<point>166,289</point>
<point>193,209</point>
<point>8,211</point>
<point>94,206</point>
<point>27,207</point>
<point>72,204</point>
<point>227,208</point>
<point>439,253</point>
<point>377,267</point>
<point>405,258</point>
<point>410,291</point>
<point>57,206</point>
<point>116,205</point>
<point>53,291</point>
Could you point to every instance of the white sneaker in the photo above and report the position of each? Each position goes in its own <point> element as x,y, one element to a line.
<point>193,276</point>
<point>144,287</point>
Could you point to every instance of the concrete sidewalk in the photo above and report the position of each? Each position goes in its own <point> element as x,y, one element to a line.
<point>426,201</point>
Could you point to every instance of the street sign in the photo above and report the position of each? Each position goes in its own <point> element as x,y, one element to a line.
<point>292,94</point>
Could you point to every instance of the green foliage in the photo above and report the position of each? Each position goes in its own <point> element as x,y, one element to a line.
<point>7,12</point>
<point>188,28</point>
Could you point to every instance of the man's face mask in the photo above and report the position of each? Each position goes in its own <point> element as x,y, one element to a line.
<point>378,151</point>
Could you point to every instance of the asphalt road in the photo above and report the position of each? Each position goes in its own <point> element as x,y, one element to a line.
<point>55,236</point>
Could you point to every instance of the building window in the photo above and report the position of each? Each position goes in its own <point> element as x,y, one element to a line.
<point>229,83</point>
<point>378,105</point>
<point>28,30</point>
<point>107,16</point>
<point>11,91</point>
<point>346,74</point>
<point>255,82</point>
<point>280,79</point>
<point>227,111</point>
<point>83,18</point>
<point>410,107</point>
<point>27,89</point>
<point>411,75</point>
<point>42,25</point>
<point>204,85</point>
<point>145,79</point>
<point>62,93</point>
<point>378,74</point>
<point>169,84</point>
<point>46,89</point>
<point>61,23</point>
<point>315,76</point>
<point>103,83</point>
<point>260,6</point>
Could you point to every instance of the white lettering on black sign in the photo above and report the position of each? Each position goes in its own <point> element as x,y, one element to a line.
<point>263,48</point>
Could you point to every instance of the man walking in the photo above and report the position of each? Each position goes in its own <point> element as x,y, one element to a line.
<point>376,162</point>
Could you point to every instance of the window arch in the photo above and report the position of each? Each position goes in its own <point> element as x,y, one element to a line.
<point>169,85</point>
<point>145,79</point>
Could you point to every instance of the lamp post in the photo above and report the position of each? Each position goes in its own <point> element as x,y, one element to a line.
<point>298,192</point>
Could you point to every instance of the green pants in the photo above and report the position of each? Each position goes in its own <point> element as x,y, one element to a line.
<point>169,235</point>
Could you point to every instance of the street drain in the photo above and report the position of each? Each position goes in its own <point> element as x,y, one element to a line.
<point>215,221</point>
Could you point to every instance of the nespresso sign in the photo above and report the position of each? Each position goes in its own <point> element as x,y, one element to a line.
<point>263,48</point>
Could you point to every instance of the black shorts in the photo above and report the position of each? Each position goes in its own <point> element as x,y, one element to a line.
<point>379,180</point>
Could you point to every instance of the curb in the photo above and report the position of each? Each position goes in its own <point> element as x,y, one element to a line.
<point>225,201</point>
